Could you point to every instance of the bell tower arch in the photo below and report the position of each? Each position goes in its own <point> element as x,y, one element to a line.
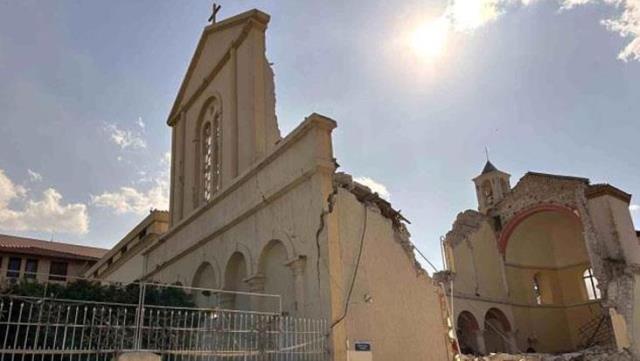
<point>492,185</point>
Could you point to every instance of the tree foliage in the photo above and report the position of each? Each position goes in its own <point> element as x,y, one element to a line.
<point>93,291</point>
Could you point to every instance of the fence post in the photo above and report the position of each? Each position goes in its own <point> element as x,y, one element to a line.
<point>139,317</point>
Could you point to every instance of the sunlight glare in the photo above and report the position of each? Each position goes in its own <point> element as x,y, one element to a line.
<point>429,39</point>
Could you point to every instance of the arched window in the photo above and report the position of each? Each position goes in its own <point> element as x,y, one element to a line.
<point>210,156</point>
<point>591,284</point>
<point>207,153</point>
<point>537,292</point>
<point>487,191</point>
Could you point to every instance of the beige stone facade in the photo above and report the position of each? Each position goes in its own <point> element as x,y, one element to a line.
<point>124,262</point>
<point>550,265</point>
<point>253,211</point>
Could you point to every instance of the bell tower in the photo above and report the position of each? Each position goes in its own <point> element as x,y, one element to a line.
<point>492,185</point>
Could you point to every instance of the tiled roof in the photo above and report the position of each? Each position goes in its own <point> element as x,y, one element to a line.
<point>489,167</point>
<point>16,244</point>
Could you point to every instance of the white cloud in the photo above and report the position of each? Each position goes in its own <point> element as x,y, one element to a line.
<point>46,214</point>
<point>570,4</point>
<point>166,158</point>
<point>469,15</point>
<point>634,208</point>
<point>9,190</point>
<point>131,200</point>
<point>628,26</point>
<point>374,186</point>
<point>125,138</point>
<point>140,123</point>
<point>34,176</point>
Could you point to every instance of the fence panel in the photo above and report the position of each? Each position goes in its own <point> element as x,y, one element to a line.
<point>50,329</point>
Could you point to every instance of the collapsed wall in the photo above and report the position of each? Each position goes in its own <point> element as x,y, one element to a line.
<point>392,301</point>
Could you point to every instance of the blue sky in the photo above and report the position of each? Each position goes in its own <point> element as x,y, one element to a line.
<point>86,88</point>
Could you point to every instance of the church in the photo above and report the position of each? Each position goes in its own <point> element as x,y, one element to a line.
<point>256,212</point>
<point>549,265</point>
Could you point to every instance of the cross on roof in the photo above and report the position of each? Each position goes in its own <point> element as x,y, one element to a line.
<point>215,9</point>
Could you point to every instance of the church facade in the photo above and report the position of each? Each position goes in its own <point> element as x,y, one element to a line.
<point>549,265</point>
<point>255,212</point>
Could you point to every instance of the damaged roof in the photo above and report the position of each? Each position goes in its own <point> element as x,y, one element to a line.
<point>365,194</point>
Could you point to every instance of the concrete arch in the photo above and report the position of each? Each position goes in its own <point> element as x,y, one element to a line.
<point>497,331</point>
<point>248,256</point>
<point>501,317</point>
<point>205,277</point>
<point>468,331</point>
<point>288,247</point>
<point>235,279</point>
<point>213,99</point>
<point>278,277</point>
<point>236,271</point>
<point>521,216</point>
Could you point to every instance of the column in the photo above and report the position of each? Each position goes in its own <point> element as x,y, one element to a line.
<point>513,345</point>
<point>482,349</point>
<point>297,268</point>
<point>256,285</point>
<point>227,301</point>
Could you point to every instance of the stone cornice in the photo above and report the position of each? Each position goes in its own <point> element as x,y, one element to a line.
<point>470,297</point>
<point>599,190</point>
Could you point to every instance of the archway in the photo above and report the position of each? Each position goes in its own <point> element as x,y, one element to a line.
<point>545,256</point>
<point>234,280</point>
<point>497,331</point>
<point>278,277</point>
<point>205,277</point>
<point>468,329</point>
<point>546,251</point>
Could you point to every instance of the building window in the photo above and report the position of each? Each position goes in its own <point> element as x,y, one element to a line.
<point>537,292</point>
<point>13,269</point>
<point>211,155</point>
<point>58,271</point>
<point>31,269</point>
<point>591,284</point>
<point>207,150</point>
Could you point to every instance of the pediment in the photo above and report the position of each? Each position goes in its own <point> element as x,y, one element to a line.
<point>212,53</point>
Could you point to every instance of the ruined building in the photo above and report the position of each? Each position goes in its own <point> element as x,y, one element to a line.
<point>254,211</point>
<point>550,265</point>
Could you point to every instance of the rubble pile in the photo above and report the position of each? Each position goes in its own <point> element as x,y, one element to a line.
<point>591,354</point>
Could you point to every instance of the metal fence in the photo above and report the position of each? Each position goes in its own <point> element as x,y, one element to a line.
<point>46,328</point>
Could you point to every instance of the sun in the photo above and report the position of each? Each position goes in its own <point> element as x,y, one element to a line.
<point>429,40</point>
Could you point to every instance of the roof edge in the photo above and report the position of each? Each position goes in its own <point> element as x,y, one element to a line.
<point>559,176</point>
<point>604,189</point>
